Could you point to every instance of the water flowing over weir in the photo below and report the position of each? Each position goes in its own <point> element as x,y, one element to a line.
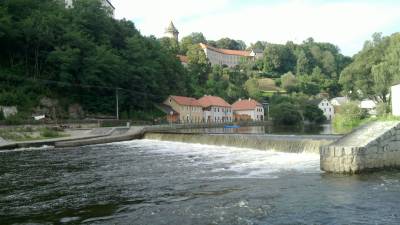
<point>281,143</point>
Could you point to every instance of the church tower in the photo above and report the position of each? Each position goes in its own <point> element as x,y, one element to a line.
<point>171,31</point>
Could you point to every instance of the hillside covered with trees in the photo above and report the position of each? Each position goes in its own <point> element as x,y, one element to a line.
<point>81,55</point>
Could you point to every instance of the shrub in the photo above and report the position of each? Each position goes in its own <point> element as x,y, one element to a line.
<point>286,114</point>
<point>314,114</point>
<point>49,133</point>
<point>348,117</point>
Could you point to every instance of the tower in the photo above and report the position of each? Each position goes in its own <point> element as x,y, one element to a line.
<point>171,31</point>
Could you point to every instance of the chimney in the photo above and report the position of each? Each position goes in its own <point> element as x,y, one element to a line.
<point>249,99</point>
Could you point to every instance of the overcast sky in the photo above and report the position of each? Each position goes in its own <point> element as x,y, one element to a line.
<point>346,24</point>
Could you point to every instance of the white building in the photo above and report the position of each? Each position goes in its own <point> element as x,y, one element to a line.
<point>215,109</point>
<point>106,3</point>
<point>231,58</point>
<point>368,105</point>
<point>172,32</point>
<point>326,107</point>
<point>396,100</point>
<point>339,101</point>
<point>248,108</point>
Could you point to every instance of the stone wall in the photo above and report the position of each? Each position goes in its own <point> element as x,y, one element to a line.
<point>381,149</point>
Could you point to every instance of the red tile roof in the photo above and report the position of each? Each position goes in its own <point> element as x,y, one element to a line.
<point>183,58</point>
<point>207,101</point>
<point>226,51</point>
<point>245,104</point>
<point>182,100</point>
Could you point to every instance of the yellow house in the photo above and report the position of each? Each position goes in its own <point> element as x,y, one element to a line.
<point>189,109</point>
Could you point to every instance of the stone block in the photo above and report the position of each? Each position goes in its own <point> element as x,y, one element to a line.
<point>371,150</point>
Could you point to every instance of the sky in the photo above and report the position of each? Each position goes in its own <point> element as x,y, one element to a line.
<point>347,24</point>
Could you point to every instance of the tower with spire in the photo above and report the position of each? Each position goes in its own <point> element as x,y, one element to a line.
<point>171,31</point>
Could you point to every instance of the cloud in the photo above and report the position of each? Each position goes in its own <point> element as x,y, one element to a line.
<point>344,23</point>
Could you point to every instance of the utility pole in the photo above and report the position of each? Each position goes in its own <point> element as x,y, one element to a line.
<point>117,104</point>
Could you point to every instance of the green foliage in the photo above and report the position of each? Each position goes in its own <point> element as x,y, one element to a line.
<point>289,82</point>
<point>286,113</point>
<point>228,43</point>
<point>81,54</point>
<point>192,39</point>
<point>313,114</point>
<point>374,69</point>
<point>2,115</point>
<point>348,117</point>
<point>49,133</point>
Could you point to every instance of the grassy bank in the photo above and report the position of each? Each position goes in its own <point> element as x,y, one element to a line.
<point>30,134</point>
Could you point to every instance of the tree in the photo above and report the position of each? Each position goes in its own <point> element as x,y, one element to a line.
<point>374,69</point>
<point>278,59</point>
<point>228,43</point>
<point>313,114</point>
<point>286,114</point>
<point>289,82</point>
<point>192,39</point>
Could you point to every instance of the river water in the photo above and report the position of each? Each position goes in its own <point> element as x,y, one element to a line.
<point>154,182</point>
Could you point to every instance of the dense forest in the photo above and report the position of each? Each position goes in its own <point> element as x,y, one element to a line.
<point>83,56</point>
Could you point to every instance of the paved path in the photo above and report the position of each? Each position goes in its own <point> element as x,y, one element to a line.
<point>366,134</point>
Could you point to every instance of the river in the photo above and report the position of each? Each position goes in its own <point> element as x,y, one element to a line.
<point>155,182</point>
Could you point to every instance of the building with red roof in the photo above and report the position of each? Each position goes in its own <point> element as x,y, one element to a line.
<point>188,109</point>
<point>231,58</point>
<point>215,109</point>
<point>248,108</point>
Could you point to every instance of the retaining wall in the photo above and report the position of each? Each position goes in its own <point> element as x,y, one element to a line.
<point>371,147</point>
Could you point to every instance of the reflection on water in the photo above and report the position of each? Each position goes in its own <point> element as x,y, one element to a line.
<point>268,129</point>
<point>156,182</point>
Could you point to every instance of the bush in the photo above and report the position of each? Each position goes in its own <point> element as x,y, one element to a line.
<point>314,114</point>
<point>1,115</point>
<point>49,133</point>
<point>348,117</point>
<point>286,114</point>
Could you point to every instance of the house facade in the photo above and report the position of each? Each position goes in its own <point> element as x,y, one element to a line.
<point>327,108</point>
<point>215,109</point>
<point>188,109</point>
<point>231,58</point>
<point>245,109</point>
<point>395,90</point>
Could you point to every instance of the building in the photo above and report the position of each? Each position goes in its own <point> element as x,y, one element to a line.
<point>395,90</point>
<point>368,105</point>
<point>106,3</point>
<point>231,58</point>
<point>172,32</point>
<point>326,107</point>
<point>215,109</point>
<point>245,109</point>
<point>339,101</point>
<point>187,109</point>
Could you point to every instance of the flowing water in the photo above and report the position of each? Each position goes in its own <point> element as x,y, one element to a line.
<point>155,182</point>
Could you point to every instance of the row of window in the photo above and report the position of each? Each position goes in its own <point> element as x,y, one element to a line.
<point>259,109</point>
<point>225,110</point>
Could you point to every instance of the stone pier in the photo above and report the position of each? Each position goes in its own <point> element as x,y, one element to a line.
<point>370,147</point>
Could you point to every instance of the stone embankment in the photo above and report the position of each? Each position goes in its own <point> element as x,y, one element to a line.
<point>370,147</point>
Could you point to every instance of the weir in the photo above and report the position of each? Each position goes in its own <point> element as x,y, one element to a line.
<point>370,147</point>
<point>281,143</point>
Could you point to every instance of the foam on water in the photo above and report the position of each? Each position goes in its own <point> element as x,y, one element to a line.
<point>234,162</point>
<point>44,147</point>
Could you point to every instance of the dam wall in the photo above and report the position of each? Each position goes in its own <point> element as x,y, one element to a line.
<point>370,147</point>
<point>282,143</point>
